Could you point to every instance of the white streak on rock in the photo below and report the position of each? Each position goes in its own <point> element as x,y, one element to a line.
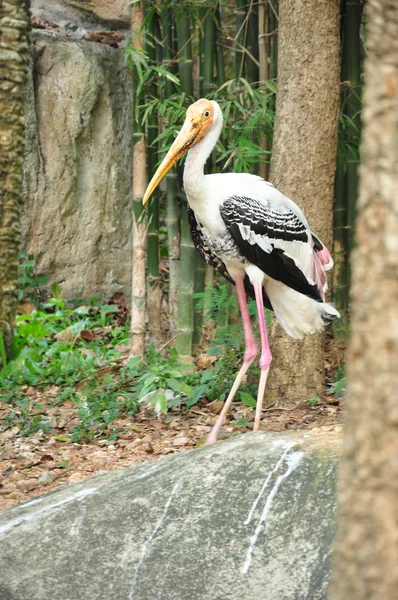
<point>293,462</point>
<point>29,516</point>
<point>148,541</point>
<point>76,525</point>
<point>274,470</point>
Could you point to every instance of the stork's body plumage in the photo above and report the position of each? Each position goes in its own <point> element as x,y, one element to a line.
<point>254,236</point>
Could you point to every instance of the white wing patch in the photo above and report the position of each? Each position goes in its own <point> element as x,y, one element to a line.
<point>302,255</point>
<point>255,239</point>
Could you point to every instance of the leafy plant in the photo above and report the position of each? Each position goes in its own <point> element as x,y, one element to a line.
<point>312,402</point>
<point>339,386</point>
<point>28,281</point>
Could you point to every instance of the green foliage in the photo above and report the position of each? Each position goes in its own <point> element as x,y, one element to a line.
<point>50,349</point>
<point>348,149</point>
<point>246,109</point>
<point>339,386</point>
<point>312,402</point>
<point>28,281</point>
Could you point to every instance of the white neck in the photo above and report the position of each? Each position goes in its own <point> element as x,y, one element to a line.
<point>196,159</point>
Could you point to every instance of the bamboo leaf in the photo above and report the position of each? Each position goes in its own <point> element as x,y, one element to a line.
<point>167,75</point>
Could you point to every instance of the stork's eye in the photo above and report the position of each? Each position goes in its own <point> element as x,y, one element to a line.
<point>207,113</point>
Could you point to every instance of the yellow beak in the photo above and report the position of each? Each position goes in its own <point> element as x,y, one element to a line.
<point>190,133</point>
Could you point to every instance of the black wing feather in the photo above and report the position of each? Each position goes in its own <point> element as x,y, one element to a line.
<point>265,220</point>
<point>213,260</point>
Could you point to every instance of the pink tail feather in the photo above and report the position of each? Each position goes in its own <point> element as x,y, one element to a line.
<point>322,262</point>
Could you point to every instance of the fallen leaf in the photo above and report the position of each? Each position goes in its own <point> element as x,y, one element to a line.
<point>65,335</point>
<point>182,441</point>
<point>215,407</point>
<point>62,438</point>
<point>25,308</point>
<point>146,446</point>
<point>87,335</point>
<point>27,485</point>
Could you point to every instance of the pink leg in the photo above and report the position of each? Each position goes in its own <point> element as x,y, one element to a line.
<point>266,356</point>
<point>249,356</point>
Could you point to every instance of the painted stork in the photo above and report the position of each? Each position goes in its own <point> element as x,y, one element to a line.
<point>256,238</point>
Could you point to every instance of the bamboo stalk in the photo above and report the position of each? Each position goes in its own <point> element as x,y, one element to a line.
<point>184,338</point>
<point>340,274</point>
<point>173,240</point>
<point>138,295</point>
<point>346,186</point>
<point>273,38</point>
<point>187,258</point>
<point>240,38</point>
<point>209,52</point>
<point>199,286</point>
<point>263,21</point>
<point>207,330</point>
<point>153,277</point>
<point>172,212</point>
<point>219,50</point>
<point>184,54</point>
<point>202,36</point>
<point>252,44</point>
<point>137,328</point>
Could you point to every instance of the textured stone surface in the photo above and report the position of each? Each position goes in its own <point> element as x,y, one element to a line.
<point>77,216</point>
<point>88,14</point>
<point>117,10</point>
<point>247,519</point>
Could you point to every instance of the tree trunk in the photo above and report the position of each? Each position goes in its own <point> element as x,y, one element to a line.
<point>303,164</point>
<point>14,54</point>
<point>367,542</point>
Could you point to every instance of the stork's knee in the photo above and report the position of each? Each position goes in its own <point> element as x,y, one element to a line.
<point>250,352</point>
<point>265,361</point>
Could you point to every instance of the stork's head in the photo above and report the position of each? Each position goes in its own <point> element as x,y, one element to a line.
<point>199,119</point>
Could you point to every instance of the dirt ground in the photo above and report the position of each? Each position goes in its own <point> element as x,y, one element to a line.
<point>30,466</point>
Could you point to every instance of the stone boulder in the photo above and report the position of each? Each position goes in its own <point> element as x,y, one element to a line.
<point>246,519</point>
<point>84,14</point>
<point>117,10</point>
<point>77,214</point>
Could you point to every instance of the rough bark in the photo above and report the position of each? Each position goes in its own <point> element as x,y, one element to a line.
<point>303,163</point>
<point>367,542</point>
<point>14,55</point>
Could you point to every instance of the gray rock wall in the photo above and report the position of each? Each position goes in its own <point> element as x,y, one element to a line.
<point>78,15</point>
<point>77,214</point>
<point>251,518</point>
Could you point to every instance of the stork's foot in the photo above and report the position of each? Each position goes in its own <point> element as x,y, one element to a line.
<point>211,439</point>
